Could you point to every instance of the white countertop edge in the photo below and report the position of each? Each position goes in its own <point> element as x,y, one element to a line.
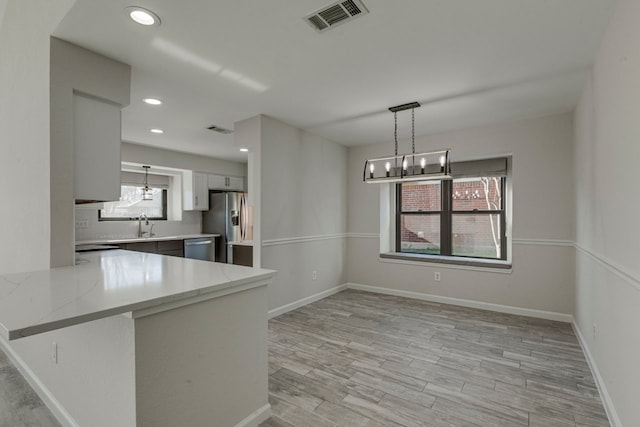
<point>170,301</point>
<point>240,243</point>
<point>143,239</point>
<point>199,298</point>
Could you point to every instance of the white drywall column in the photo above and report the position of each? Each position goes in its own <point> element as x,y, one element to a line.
<point>247,134</point>
<point>303,212</point>
<point>74,68</point>
<point>297,190</point>
<point>24,131</point>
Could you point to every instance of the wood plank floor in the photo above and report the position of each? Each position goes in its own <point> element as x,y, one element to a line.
<point>362,359</point>
<point>19,404</point>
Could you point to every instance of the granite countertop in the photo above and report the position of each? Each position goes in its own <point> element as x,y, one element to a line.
<point>142,239</point>
<point>108,283</point>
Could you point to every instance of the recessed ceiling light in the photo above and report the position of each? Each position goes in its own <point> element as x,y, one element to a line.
<point>152,101</point>
<point>142,16</point>
<point>244,150</point>
<point>156,131</point>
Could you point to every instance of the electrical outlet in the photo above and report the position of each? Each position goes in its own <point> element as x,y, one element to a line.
<point>314,275</point>
<point>436,276</point>
<point>54,352</point>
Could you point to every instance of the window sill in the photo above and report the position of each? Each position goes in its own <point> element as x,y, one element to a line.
<point>448,261</point>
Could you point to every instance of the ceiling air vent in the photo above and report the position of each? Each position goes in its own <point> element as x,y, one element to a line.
<point>336,13</point>
<point>219,129</point>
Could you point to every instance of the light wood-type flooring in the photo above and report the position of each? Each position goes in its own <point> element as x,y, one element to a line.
<point>362,359</point>
<point>20,406</point>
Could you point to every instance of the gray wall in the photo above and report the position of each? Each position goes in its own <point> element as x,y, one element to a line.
<point>542,182</point>
<point>303,211</point>
<point>607,151</point>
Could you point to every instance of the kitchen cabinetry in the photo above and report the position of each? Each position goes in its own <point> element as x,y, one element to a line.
<point>195,191</point>
<point>97,140</point>
<point>229,183</point>
<point>162,247</point>
<point>171,247</point>
<point>241,255</point>
<point>149,247</point>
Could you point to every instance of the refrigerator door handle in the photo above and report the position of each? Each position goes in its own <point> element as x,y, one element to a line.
<point>243,217</point>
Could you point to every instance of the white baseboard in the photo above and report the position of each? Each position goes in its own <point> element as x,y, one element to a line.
<point>304,301</point>
<point>540,314</point>
<point>58,411</point>
<point>260,415</point>
<point>612,414</point>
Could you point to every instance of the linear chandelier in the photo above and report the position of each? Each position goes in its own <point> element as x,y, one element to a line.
<point>408,167</point>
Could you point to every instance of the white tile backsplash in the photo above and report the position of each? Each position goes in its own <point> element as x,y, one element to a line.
<point>89,228</point>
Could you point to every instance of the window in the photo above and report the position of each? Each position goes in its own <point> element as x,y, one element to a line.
<point>464,217</point>
<point>420,217</point>
<point>131,206</point>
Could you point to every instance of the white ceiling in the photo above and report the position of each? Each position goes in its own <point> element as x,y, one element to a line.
<point>469,62</point>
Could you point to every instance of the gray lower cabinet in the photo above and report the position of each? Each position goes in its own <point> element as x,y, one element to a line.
<point>242,255</point>
<point>162,247</point>
<point>171,247</point>
<point>150,247</point>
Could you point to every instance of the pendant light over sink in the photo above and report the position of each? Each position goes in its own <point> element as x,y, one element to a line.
<point>408,167</point>
<point>147,194</point>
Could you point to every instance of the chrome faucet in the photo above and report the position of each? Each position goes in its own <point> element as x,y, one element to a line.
<point>146,222</point>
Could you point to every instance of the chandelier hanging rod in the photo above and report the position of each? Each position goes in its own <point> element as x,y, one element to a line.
<point>403,107</point>
<point>408,167</point>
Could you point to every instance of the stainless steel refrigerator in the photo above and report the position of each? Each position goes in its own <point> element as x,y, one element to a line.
<point>227,216</point>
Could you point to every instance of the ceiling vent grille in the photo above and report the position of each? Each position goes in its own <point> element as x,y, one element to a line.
<point>336,13</point>
<point>219,129</point>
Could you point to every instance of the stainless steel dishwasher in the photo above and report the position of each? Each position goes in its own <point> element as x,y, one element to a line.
<point>200,248</point>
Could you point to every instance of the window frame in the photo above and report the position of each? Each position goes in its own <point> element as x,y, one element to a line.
<point>136,218</point>
<point>446,214</point>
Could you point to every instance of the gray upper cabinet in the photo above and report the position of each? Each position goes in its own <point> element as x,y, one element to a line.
<point>97,139</point>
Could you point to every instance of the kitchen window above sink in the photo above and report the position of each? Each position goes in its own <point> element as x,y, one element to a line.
<point>131,205</point>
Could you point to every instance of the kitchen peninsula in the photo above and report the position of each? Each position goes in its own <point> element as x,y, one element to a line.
<point>191,336</point>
